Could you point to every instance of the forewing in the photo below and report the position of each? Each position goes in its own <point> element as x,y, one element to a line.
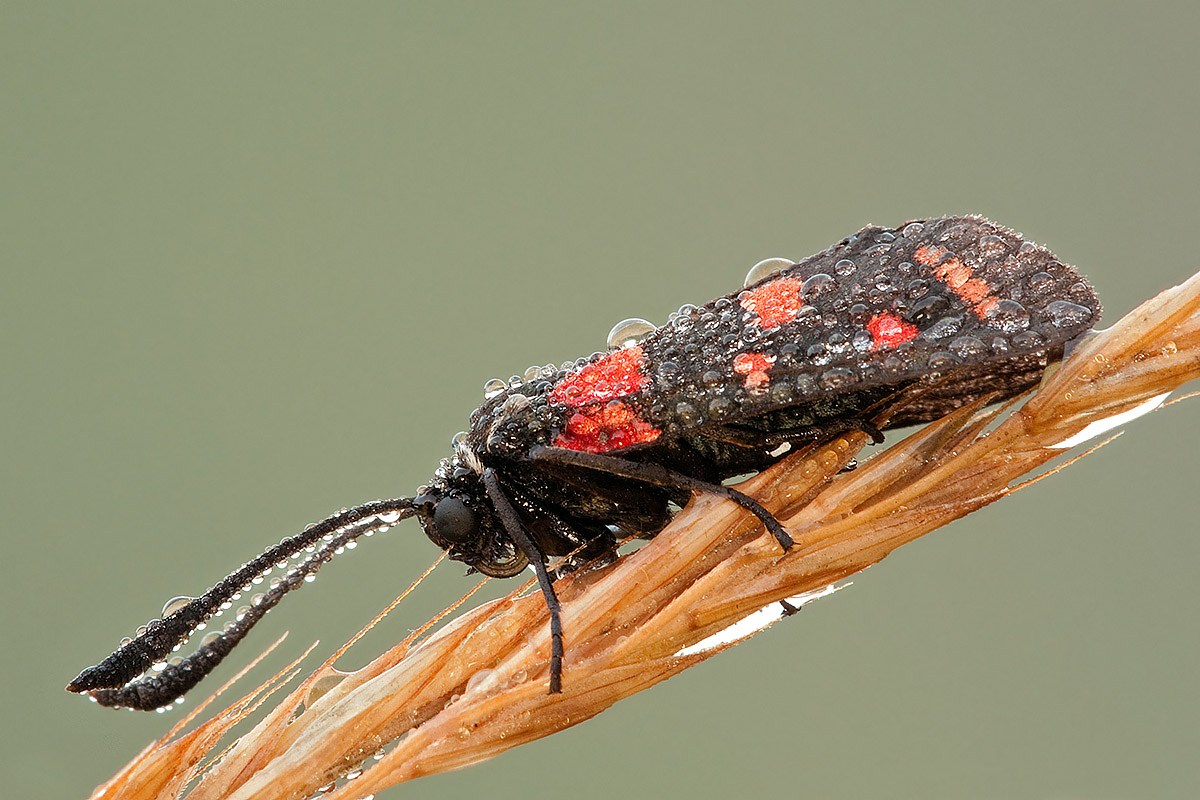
<point>949,296</point>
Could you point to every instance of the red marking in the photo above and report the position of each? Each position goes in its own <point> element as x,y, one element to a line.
<point>611,426</point>
<point>929,254</point>
<point>959,277</point>
<point>889,331</point>
<point>754,366</point>
<point>615,375</point>
<point>776,303</point>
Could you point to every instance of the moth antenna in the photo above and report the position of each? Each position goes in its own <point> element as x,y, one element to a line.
<point>109,681</point>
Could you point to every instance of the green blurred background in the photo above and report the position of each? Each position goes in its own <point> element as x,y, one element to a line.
<point>258,261</point>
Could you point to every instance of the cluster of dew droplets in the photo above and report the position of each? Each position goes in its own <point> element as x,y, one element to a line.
<point>498,386</point>
<point>353,773</point>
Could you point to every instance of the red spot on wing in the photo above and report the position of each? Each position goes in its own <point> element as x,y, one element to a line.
<point>975,291</point>
<point>889,331</point>
<point>929,254</point>
<point>754,366</point>
<point>776,303</point>
<point>961,279</point>
<point>611,426</point>
<point>615,375</point>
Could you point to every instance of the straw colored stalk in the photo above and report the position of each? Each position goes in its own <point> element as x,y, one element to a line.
<point>479,685</point>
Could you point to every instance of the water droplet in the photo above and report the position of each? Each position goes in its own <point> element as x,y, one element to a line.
<point>927,308</point>
<point>844,267</point>
<point>818,354</point>
<point>209,638</point>
<point>476,680</point>
<point>885,282</point>
<point>942,361</point>
<point>628,332</point>
<point>914,229</point>
<point>686,414</point>
<point>991,246</point>
<point>175,603</point>
<point>885,237</point>
<point>838,377</point>
<point>719,407</point>
<point>354,773</point>
<point>1040,282</point>
<point>806,385</point>
<point>968,347</point>
<point>1008,316</point>
<point>493,388</point>
<point>766,268</point>
<point>1065,314</point>
<point>1029,340</point>
<point>944,328</point>
<point>818,284</point>
<point>859,314</point>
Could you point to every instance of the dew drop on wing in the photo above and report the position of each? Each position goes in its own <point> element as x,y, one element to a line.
<point>1008,316</point>
<point>1065,314</point>
<point>1040,282</point>
<point>817,285</point>
<point>764,269</point>
<point>991,246</point>
<point>968,347</point>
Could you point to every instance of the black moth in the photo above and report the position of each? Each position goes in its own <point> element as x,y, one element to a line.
<point>565,460</point>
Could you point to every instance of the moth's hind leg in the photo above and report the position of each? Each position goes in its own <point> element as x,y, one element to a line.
<point>657,475</point>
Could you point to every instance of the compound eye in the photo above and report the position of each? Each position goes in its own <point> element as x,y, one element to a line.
<point>453,520</point>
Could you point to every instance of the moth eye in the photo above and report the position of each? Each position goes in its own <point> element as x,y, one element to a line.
<point>453,520</point>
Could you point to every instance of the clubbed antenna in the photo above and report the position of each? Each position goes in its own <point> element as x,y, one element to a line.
<point>112,681</point>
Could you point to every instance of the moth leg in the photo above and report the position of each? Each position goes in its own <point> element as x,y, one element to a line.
<point>516,529</point>
<point>660,476</point>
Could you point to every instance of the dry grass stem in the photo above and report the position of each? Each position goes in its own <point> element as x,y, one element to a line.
<point>477,686</point>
